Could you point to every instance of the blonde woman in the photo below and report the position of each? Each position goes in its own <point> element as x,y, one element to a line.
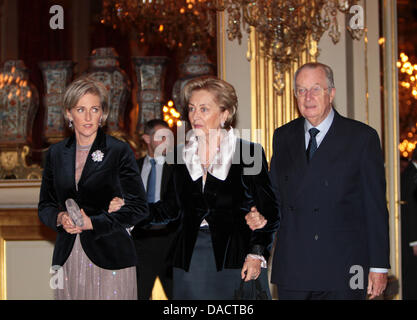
<point>98,259</point>
<point>221,193</point>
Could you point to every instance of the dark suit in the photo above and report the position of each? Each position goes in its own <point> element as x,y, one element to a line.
<point>108,245</point>
<point>333,209</point>
<point>153,247</point>
<point>224,205</point>
<point>409,231</point>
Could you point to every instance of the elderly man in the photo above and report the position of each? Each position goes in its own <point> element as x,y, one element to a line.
<point>328,174</point>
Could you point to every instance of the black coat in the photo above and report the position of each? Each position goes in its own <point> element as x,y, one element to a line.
<point>223,204</point>
<point>333,209</point>
<point>108,245</point>
<point>409,231</point>
<point>166,176</point>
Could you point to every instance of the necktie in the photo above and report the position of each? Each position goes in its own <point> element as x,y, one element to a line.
<point>151,183</point>
<point>312,144</point>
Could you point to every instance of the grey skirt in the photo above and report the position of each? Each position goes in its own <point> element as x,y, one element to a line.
<point>203,281</point>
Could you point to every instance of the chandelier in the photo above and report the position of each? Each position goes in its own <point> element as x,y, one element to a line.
<point>284,26</point>
<point>175,23</point>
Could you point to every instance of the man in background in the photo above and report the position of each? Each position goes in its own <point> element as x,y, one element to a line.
<point>153,243</point>
<point>409,229</point>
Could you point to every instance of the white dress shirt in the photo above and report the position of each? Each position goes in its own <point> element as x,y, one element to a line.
<point>324,127</point>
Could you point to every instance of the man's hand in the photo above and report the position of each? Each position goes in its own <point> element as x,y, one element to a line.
<point>251,269</point>
<point>414,250</point>
<point>255,220</point>
<point>377,282</point>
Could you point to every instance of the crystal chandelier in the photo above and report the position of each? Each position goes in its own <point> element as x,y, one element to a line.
<point>284,26</point>
<point>175,23</point>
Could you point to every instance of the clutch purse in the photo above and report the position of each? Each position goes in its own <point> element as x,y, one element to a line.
<point>74,212</point>
<point>251,290</point>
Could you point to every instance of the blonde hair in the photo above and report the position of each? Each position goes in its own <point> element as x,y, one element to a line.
<point>80,87</point>
<point>223,92</point>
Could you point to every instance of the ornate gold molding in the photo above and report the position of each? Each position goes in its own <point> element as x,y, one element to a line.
<point>19,225</point>
<point>13,164</point>
<point>269,110</point>
<point>221,38</point>
<point>391,131</point>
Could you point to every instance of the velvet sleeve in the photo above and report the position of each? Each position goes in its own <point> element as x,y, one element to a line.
<point>266,204</point>
<point>48,207</point>
<point>135,208</point>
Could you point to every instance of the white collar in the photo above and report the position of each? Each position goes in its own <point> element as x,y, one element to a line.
<point>221,163</point>
<point>323,127</point>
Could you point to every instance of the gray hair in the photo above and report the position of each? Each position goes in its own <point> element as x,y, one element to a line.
<point>80,87</point>
<point>313,65</point>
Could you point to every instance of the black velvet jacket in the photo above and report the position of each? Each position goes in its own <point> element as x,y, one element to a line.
<point>108,245</point>
<point>223,204</point>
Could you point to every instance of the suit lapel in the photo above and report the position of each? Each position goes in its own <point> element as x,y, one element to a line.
<point>140,164</point>
<point>90,166</point>
<point>323,156</point>
<point>166,175</point>
<point>297,153</point>
<point>69,160</point>
<point>330,142</point>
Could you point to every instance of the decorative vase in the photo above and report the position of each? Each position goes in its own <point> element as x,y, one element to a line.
<point>19,102</point>
<point>196,64</point>
<point>150,75</point>
<point>56,75</point>
<point>104,67</point>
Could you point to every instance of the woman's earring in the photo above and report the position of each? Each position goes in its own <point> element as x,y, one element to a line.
<point>99,121</point>
<point>70,124</point>
<point>222,124</point>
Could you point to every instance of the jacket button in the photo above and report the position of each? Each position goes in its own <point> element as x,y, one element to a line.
<point>316,210</point>
<point>326,183</point>
<point>316,237</point>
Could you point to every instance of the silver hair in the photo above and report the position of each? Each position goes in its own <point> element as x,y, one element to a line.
<point>313,65</point>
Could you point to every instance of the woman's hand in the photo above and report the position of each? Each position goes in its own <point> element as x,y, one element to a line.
<point>255,220</point>
<point>67,223</point>
<point>251,269</point>
<point>59,218</point>
<point>115,204</point>
<point>87,222</point>
<point>71,228</point>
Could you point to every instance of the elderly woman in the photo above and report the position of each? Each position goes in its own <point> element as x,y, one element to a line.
<point>219,187</point>
<point>98,259</point>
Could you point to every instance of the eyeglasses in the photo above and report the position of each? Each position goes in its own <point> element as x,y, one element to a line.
<point>315,91</point>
